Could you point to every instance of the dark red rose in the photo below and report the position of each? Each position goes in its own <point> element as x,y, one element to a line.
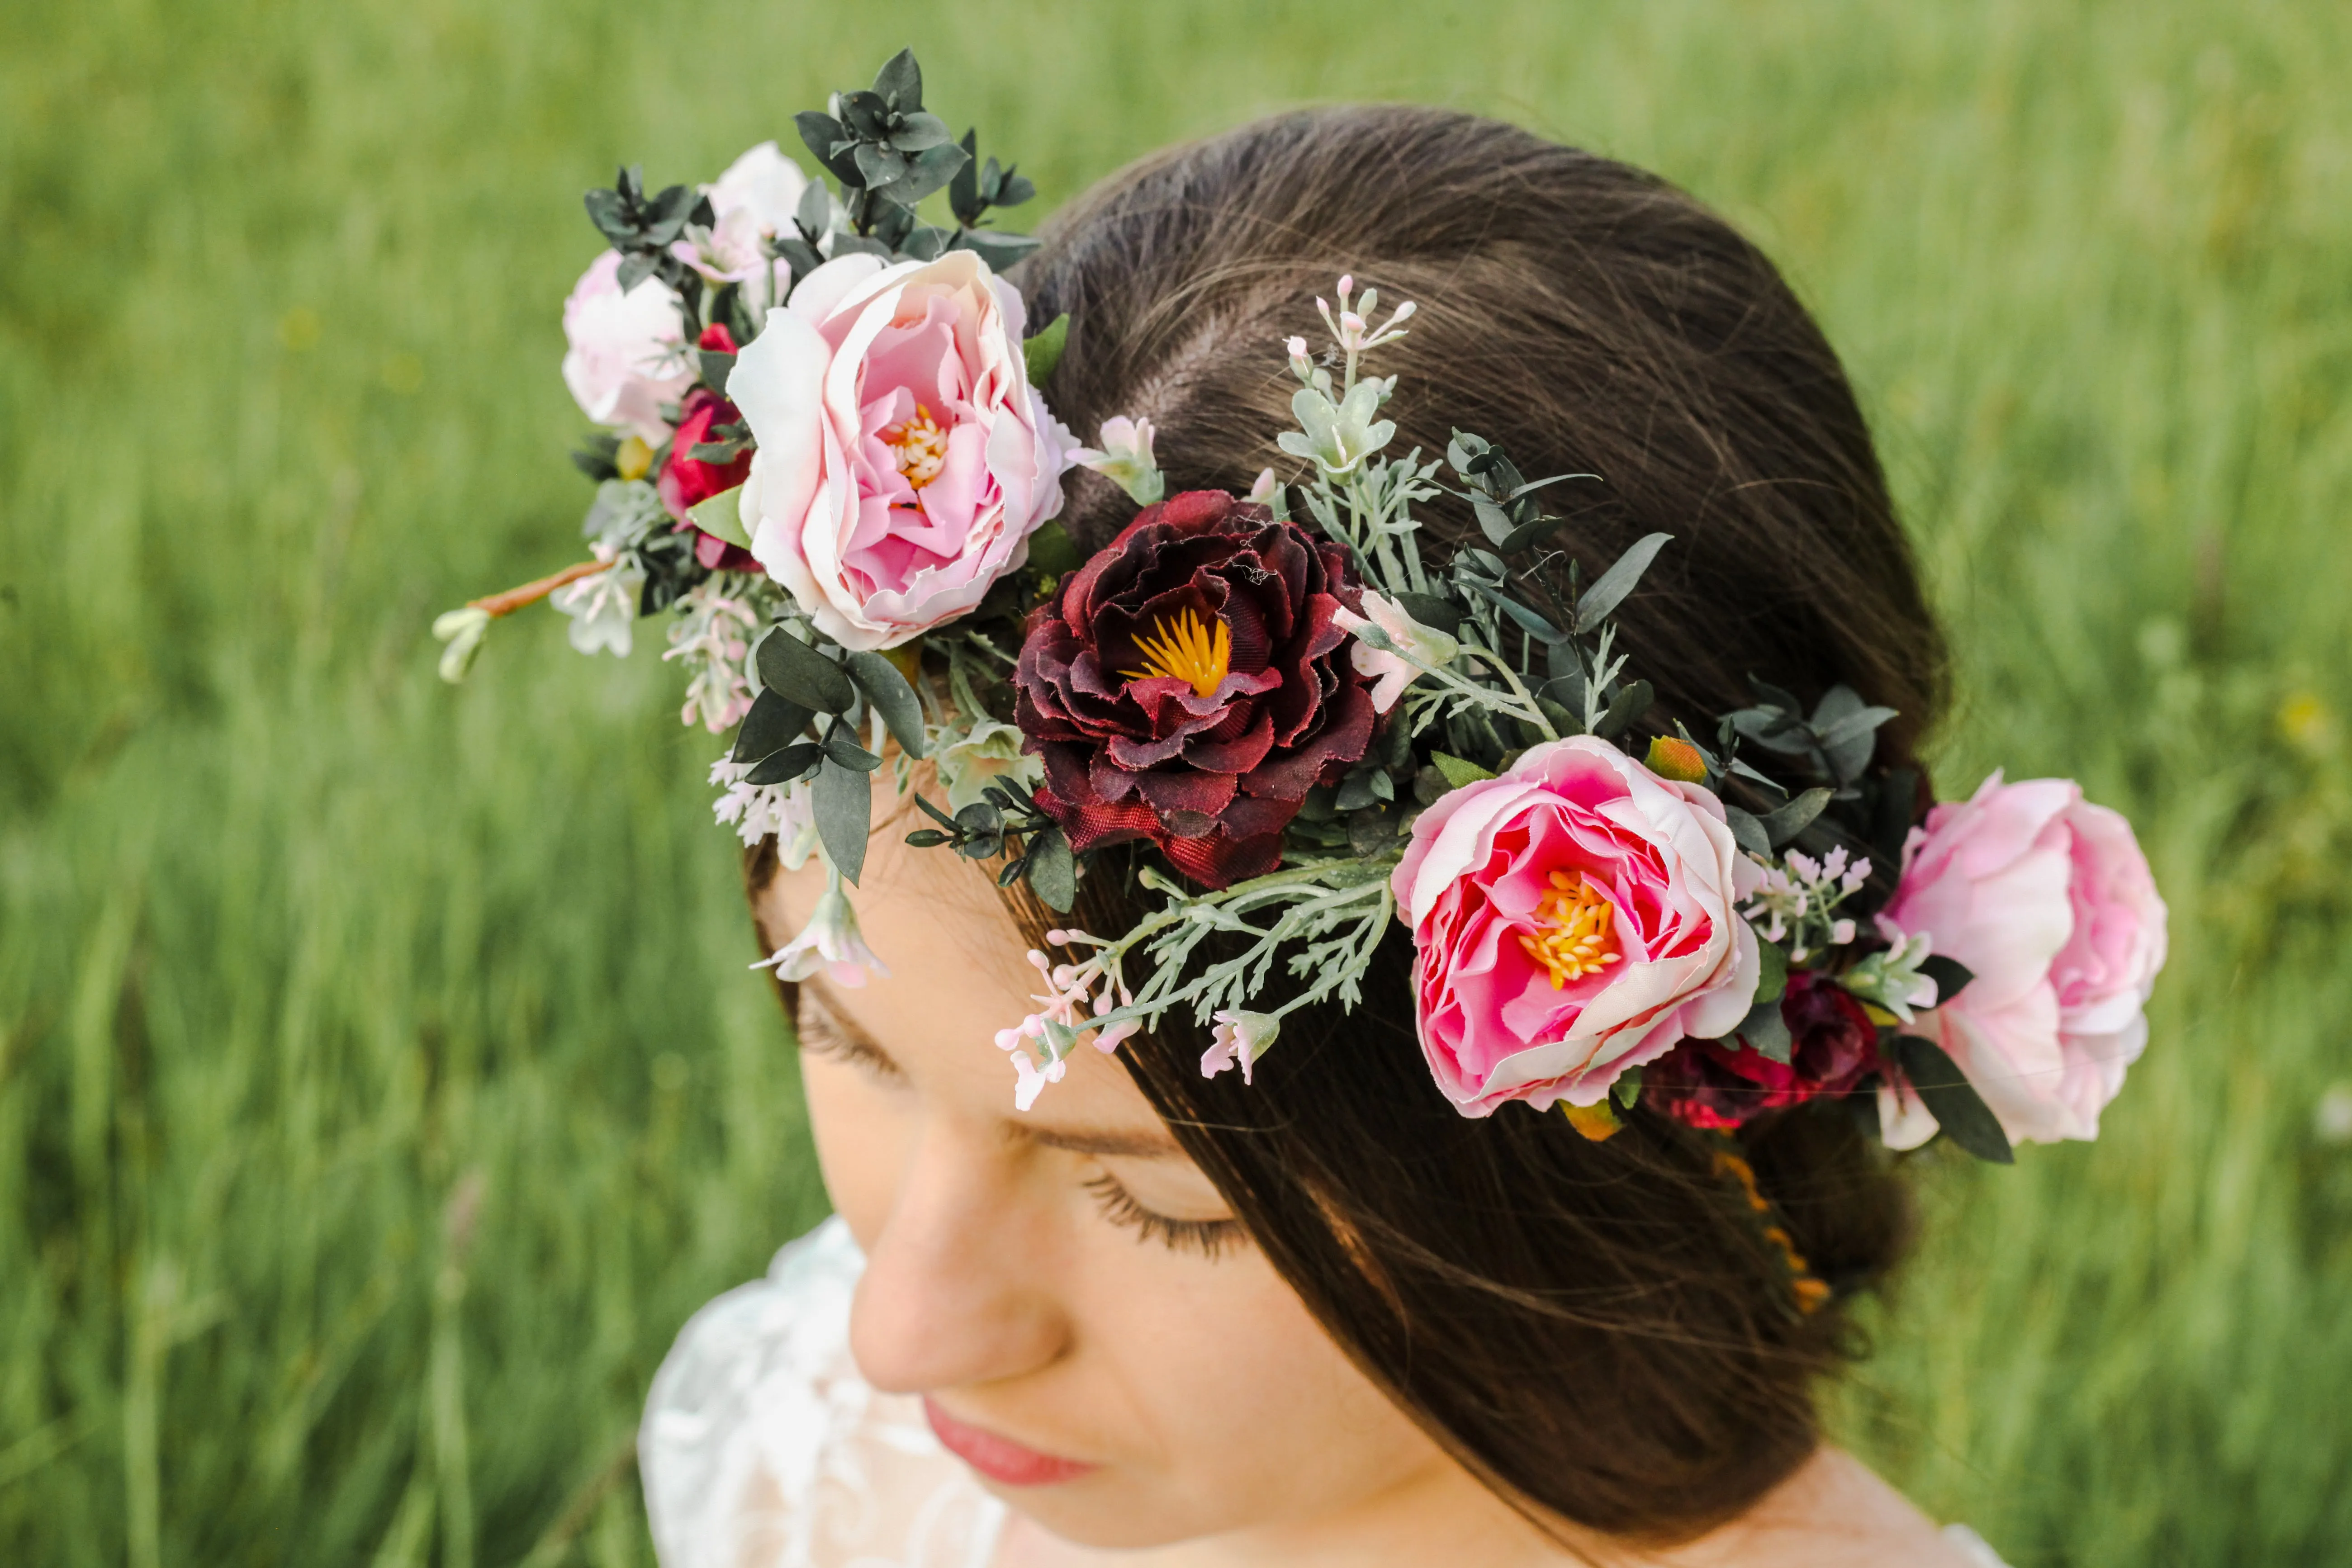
<point>1188,686</point>
<point>1834,1046</point>
<point>685,482</point>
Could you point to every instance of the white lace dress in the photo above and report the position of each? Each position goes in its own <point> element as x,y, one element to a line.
<point>763,1448</point>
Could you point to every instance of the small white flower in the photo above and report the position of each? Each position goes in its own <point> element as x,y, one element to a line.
<point>755,811</point>
<point>1386,665</point>
<point>829,941</point>
<point>1126,459</point>
<point>1239,1039</point>
<point>1262,488</point>
<point>1352,330</point>
<point>1904,1119</point>
<point>1891,978</point>
<point>988,753</point>
<point>602,607</point>
<point>462,631</point>
<point>1338,439</point>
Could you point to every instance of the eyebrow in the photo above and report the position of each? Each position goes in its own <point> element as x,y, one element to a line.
<point>1078,1141</point>
<point>1116,1145</point>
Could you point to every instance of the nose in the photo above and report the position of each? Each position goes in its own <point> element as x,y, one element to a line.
<point>955,1293</point>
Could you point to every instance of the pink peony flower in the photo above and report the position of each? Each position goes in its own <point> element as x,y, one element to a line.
<point>2049,902</point>
<point>625,362</point>
<point>1574,918</point>
<point>903,459</point>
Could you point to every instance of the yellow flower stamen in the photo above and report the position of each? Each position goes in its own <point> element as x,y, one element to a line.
<point>919,447</point>
<point>1574,938</point>
<point>1185,649</point>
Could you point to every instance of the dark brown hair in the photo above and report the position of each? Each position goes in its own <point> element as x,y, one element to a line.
<point>1601,1331</point>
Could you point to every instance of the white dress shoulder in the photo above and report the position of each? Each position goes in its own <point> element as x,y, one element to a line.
<point>762,1447</point>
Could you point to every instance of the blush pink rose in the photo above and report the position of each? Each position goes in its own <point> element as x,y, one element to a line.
<point>904,460</point>
<point>624,360</point>
<point>1507,866</point>
<point>2049,902</point>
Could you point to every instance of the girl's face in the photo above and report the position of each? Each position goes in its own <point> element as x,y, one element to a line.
<point>1089,1328</point>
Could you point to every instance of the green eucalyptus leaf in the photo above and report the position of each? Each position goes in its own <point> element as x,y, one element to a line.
<point>793,667</point>
<point>929,171</point>
<point>815,212</point>
<point>920,132</point>
<point>1747,830</point>
<point>964,191</point>
<point>1493,521</point>
<point>925,243</point>
<point>1528,621</point>
<point>1042,351</point>
<point>842,803</point>
<point>1950,975</point>
<point>1438,613</point>
<point>1053,869</point>
<point>1794,816</point>
<point>998,250</point>
<point>774,722</point>
<point>610,214</point>
<point>1952,1099</point>
<point>1630,704</point>
<point>1772,972</point>
<point>881,167</point>
<point>1765,1032</point>
<point>1610,591</point>
<point>899,83</point>
<point>784,766</point>
<point>1457,771</point>
<point>1053,552</point>
<point>892,698</point>
<point>721,516</point>
<point>1529,533</point>
<point>821,133</point>
<point>841,746</point>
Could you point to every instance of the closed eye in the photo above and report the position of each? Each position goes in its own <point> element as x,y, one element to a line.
<point>1209,1237</point>
<point>821,1034</point>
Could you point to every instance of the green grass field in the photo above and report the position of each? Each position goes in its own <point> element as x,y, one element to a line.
<point>381,1083</point>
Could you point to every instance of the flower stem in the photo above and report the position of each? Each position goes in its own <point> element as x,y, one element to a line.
<point>514,599</point>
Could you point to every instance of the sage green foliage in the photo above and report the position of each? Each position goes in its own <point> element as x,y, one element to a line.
<point>380,1082</point>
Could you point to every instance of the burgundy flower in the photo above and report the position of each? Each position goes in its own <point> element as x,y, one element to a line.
<point>1186,686</point>
<point>685,482</point>
<point>1834,1046</point>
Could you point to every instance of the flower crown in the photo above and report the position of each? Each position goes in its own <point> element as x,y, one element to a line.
<point>824,455</point>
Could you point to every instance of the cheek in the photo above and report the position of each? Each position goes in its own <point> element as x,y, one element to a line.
<point>1256,1414</point>
<point>861,1130</point>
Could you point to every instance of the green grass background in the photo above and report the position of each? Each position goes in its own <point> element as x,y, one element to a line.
<point>381,1084</point>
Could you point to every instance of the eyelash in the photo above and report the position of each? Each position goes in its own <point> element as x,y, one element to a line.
<point>1212,1238</point>
<point>1209,1237</point>
<point>818,1038</point>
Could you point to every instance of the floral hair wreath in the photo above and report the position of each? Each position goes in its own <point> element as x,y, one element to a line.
<point>823,453</point>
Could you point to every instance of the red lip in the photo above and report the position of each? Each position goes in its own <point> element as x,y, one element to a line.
<point>998,1457</point>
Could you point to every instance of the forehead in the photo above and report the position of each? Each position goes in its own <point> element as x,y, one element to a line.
<point>958,973</point>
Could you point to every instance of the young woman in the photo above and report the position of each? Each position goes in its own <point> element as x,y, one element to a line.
<point>1323,1316</point>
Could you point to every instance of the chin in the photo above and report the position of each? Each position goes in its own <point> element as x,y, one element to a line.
<point>1108,1512</point>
